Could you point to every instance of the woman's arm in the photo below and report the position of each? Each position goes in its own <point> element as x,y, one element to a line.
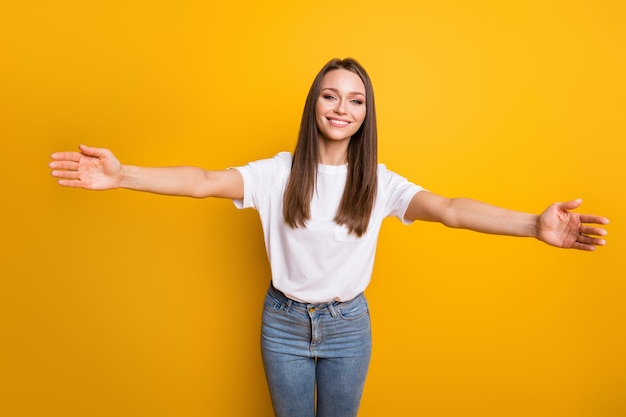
<point>98,169</point>
<point>556,226</point>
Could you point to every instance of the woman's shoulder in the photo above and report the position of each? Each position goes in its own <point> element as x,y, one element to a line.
<point>278,164</point>
<point>383,170</point>
<point>280,159</point>
<point>389,177</point>
<point>284,157</point>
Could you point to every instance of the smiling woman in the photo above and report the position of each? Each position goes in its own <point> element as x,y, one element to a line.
<point>321,211</point>
<point>332,97</point>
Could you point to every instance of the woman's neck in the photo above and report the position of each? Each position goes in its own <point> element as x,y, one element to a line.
<point>333,152</point>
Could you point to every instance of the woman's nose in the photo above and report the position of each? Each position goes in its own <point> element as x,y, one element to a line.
<point>340,107</point>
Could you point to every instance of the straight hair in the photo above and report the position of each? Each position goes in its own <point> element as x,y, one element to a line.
<point>358,197</point>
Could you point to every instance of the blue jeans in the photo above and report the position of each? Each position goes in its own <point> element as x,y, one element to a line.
<point>315,351</point>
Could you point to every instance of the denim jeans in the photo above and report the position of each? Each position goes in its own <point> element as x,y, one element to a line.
<point>315,352</point>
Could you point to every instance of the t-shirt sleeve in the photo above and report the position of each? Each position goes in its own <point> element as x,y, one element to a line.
<point>398,193</point>
<point>260,178</point>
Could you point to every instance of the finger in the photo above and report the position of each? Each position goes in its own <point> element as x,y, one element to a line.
<point>589,241</point>
<point>570,205</point>
<point>90,151</point>
<point>65,174</point>
<point>71,183</point>
<point>583,246</point>
<point>591,230</point>
<point>67,165</point>
<point>66,156</point>
<point>591,218</point>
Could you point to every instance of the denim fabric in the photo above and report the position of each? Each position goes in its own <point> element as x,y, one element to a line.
<point>315,352</point>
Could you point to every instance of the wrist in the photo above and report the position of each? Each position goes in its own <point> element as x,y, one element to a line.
<point>125,176</point>
<point>533,227</point>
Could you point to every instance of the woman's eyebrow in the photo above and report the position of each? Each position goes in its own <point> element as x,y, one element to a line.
<point>337,91</point>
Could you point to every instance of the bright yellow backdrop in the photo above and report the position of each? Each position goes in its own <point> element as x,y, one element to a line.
<point>129,304</point>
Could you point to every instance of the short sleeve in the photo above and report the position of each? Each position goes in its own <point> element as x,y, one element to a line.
<point>262,177</point>
<point>398,193</point>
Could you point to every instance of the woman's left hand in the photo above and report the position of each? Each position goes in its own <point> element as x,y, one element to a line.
<point>558,226</point>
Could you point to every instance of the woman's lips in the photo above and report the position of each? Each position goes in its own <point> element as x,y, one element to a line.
<point>338,123</point>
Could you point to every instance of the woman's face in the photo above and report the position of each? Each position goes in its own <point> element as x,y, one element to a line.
<point>340,107</point>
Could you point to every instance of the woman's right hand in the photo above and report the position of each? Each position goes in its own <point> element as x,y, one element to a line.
<point>91,168</point>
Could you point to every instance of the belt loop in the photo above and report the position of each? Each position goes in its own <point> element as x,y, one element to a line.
<point>289,302</point>
<point>331,308</point>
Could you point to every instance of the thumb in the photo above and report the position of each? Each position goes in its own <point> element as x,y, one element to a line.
<point>570,205</point>
<point>91,151</point>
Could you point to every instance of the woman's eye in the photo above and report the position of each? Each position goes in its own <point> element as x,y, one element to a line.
<point>329,97</point>
<point>355,101</point>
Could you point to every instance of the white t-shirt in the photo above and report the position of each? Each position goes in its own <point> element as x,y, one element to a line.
<point>321,262</point>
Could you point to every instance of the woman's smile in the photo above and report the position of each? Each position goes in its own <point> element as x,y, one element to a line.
<point>338,123</point>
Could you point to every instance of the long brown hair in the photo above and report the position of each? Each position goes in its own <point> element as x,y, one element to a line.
<point>361,184</point>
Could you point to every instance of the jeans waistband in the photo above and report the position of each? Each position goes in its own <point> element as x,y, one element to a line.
<point>331,307</point>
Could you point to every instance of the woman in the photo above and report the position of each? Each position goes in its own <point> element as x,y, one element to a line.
<point>321,212</point>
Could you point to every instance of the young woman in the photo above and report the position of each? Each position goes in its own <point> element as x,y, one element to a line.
<point>321,211</point>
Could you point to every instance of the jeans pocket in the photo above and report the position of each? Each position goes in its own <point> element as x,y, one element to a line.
<point>354,310</point>
<point>271,304</point>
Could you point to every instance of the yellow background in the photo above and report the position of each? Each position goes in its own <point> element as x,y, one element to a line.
<point>129,304</point>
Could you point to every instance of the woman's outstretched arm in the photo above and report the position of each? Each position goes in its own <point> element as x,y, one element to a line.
<point>99,169</point>
<point>556,226</point>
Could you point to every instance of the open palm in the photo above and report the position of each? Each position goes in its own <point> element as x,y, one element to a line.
<point>558,226</point>
<point>91,168</point>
